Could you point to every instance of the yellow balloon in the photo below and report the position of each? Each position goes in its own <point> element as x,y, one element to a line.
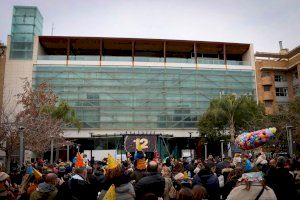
<point>273,130</point>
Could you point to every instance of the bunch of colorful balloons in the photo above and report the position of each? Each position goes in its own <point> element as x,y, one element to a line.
<point>252,140</point>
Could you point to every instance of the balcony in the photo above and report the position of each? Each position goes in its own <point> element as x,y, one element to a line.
<point>180,60</point>
<point>117,58</point>
<point>237,62</point>
<point>52,57</point>
<point>267,80</point>
<point>268,96</point>
<point>210,61</point>
<point>148,59</point>
<point>93,60</point>
<point>84,58</point>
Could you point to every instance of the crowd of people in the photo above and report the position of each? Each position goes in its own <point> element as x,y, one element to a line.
<point>245,176</point>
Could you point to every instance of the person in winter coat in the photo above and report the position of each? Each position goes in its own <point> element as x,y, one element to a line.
<point>77,187</point>
<point>209,180</point>
<point>261,162</point>
<point>282,181</point>
<point>166,173</point>
<point>115,175</point>
<point>270,175</point>
<point>251,187</point>
<point>231,181</point>
<point>152,183</point>
<point>47,189</point>
<point>5,185</point>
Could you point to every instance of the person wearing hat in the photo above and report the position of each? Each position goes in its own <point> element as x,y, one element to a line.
<point>77,187</point>
<point>251,186</point>
<point>116,182</point>
<point>140,165</point>
<point>5,192</point>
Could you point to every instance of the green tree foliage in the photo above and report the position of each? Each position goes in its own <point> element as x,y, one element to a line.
<point>231,113</point>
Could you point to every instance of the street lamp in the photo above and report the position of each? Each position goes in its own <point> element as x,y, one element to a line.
<point>190,144</point>
<point>51,155</point>
<point>21,134</point>
<point>205,150</point>
<point>289,138</point>
<point>222,153</point>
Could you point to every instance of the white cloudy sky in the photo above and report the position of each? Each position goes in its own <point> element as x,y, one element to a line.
<point>261,22</point>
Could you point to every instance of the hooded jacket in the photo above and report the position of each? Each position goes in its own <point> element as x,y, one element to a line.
<point>76,189</point>
<point>44,191</point>
<point>210,181</point>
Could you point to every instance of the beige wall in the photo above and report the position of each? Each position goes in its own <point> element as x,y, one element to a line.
<point>2,67</point>
<point>16,71</point>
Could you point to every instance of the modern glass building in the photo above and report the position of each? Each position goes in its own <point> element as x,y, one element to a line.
<point>131,86</point>
<point>26,23</point>
<point>140,97</point>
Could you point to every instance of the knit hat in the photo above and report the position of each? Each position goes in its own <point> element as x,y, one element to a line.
<point>3,176</point>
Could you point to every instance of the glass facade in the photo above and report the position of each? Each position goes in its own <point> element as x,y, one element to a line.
<point>26,22</point>
<point>111,97</point>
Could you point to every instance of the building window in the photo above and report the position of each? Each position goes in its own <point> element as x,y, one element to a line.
<point>265,74</point>
<point>281,92</point>
<point>268,103</point>
<point>267,88</point>
<point>295,75</point>
<point>280,78</point>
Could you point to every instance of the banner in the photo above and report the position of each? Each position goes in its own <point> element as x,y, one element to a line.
<point>148,142</point>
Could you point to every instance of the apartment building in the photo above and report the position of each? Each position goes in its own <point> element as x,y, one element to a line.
<point>277,76</point>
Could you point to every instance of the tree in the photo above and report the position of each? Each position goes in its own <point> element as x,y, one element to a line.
<point>285,116</point>
<point>231,113</point>
<point>9,135</point>
<point>43,117</point>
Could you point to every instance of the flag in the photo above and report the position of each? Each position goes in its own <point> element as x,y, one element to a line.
<point>79,161</point>
<point>36,174</point>
<point>111,162</point>
<point>29,170</point>
<point>111,193</point>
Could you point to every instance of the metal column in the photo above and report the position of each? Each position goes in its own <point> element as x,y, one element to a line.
<point>21,146</point>
<point>222,150</point>
<point>51,156</point>
<point>205,151</point>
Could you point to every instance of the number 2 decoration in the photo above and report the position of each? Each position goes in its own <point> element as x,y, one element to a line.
<point>142,142</point>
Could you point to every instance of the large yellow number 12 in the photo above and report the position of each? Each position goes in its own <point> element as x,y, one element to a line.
<point>143,142</point>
